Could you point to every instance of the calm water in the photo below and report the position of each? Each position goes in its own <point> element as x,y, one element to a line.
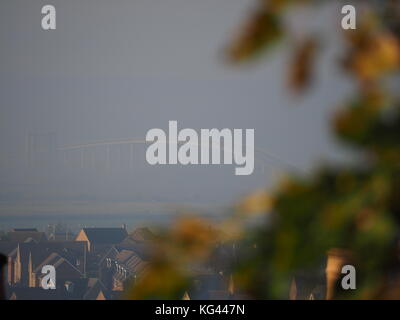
<point>75,222</point>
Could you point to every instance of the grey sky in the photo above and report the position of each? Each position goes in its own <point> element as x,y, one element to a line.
<point>115,69</point>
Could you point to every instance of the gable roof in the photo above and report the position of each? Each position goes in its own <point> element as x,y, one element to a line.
<point>95,289</point>
<point>105,235</point>
<point>132,263</point>
<point>69,250</point>
<point>143,251</point>
<point>141,235</point>
<point>111,253</point>
<point>56,260</point>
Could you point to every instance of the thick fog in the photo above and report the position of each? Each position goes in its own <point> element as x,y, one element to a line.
<point>112,70</point>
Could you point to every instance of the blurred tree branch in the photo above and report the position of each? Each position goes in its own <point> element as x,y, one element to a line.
<point>354,209</point>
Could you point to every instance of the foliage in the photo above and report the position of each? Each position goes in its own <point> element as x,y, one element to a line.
<point>356,208</point>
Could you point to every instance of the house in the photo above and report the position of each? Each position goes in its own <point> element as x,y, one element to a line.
<point>96,238</point>
<point>128,266</point>
<point>86,289</point>
<point>21,261</point>
<point>26,257</point>
<point>21,293</point>
<point>65,271</point>
<point>79,289</point>
<point>96,290</point>
<point>120,266</point>
<point>139,236</point>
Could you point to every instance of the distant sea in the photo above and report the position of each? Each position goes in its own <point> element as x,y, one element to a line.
<point>76,222</point>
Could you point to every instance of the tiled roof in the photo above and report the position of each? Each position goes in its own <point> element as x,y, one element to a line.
<point>144,250</point>
<point>132,262</point>
<point>94,288</point>
<point>70,250</point>
<point>20,235</point>
<point>6,247</point>
<point>56,260</point>
<point>50,260</point>
<point>36,251</point>
<point>105,235</point>
<point>140,235</point>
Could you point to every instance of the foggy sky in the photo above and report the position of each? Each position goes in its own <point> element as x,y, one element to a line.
<point>115,69</point>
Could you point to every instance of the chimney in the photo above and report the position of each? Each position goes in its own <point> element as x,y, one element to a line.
<point>69,286</point>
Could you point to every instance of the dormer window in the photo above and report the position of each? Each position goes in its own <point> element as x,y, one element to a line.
<point>108,260</point>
